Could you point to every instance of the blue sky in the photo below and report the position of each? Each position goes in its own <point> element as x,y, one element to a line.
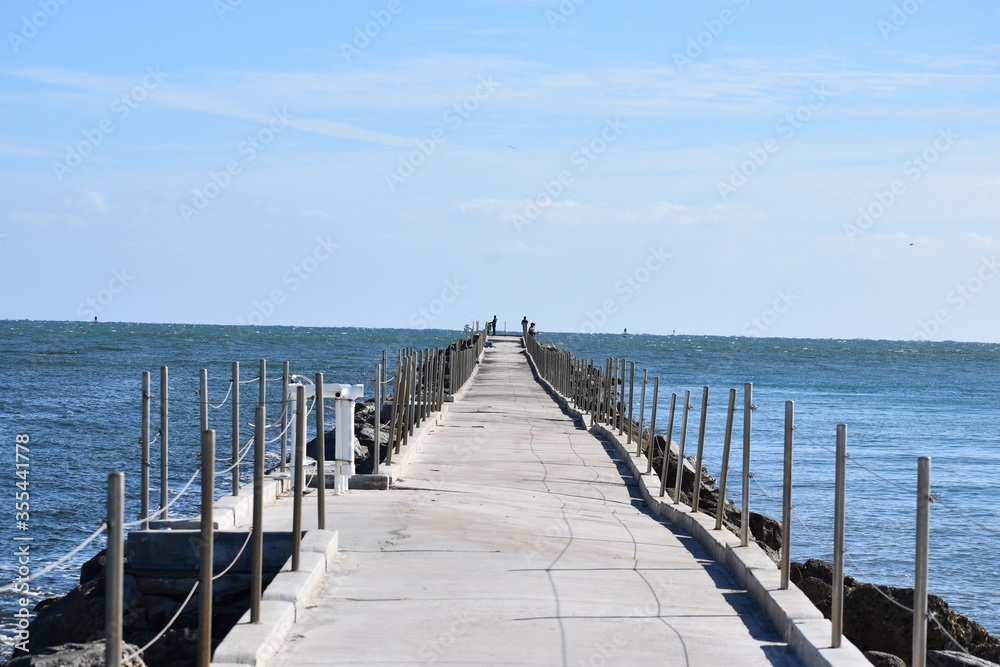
<point>733,168</point>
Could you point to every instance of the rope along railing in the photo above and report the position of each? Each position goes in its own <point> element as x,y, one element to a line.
<point>607,394</point>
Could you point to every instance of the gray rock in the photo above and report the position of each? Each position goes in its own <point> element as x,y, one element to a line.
<point>879,659</point>
<point>74,655</point>
<point>956,659</point>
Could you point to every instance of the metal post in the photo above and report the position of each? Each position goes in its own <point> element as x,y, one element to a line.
<point>262,385</point>
<point>920,574</point>
<point>257,543</point>
<point>621,403</point>
<point>377,420</point>
<point>840,500</point>
<point>680,447</point>
<point>383,379</point>
<point>786,496</point>
<point>440,396</point>
<point>144,441</point>
<point>320,454</point>
<point>701,449</point>
<point>720,511</point>
<point>652,425</point>
<point>115,558</point>
<point>642,413</point>
<point>747,412</point>
<point>236,428</point>
<point>164,439</point>
<point>616,418</point>
<point>299,472</point>
<point>207,556</point>
<point>631,399</point>
<point>411,413</point>
<point>285,375</point>
<point>666,447</point>
<point>393,429</point>
<point>203,393</point>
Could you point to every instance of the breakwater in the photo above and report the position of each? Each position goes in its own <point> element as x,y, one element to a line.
<point>901,400</point>
<point>606,392</point>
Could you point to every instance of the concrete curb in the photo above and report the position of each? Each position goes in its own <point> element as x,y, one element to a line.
<point>282,602</point>
<point>800,623</point>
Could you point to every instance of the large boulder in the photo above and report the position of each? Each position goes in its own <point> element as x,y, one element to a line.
<point>876,617</point>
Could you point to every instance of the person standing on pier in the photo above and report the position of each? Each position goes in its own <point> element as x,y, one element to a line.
<point>494,327</point>
<point>531,329</point>
<point>524,326</point>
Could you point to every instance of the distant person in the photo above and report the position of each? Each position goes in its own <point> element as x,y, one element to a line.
<point>531,329</point>
<point>524,326</point>
<point>494,325</point>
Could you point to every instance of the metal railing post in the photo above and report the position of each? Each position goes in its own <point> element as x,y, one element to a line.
<point>642,413</point>
<point>666,446</point>
<point>236,428</point>
<point>321,454</point>
<point>207,554</point>
<point>203,394</point>
<point>680,447</point>
<point>257,543</point>
<point>747,412</point>
<point>786,496</point>
<point>164,439</point>
<point>394,415</point>
<point>621,402</point>
<point>262,385</point>
<point>701,449</point>
<point>631,399</point>
<point>299,474</point>
<point>285,373</point>
<point>922,553</point>
<point>144,441</point>
<point>652,425</point>
<point>840,500</point>
<point>377,420</point>
<point>720,510</point>
<point>115,558</point>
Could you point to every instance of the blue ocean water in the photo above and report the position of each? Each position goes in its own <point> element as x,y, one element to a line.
<point>75,390</point>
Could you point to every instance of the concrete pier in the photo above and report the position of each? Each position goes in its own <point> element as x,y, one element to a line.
<point>513,535</point>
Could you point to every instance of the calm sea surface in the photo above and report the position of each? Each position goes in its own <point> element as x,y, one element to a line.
<point>75,391</point>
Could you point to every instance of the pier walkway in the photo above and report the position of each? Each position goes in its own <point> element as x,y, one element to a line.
<point>515,536</point>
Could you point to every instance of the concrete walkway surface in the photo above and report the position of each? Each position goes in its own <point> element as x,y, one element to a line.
<point>516,537</point>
